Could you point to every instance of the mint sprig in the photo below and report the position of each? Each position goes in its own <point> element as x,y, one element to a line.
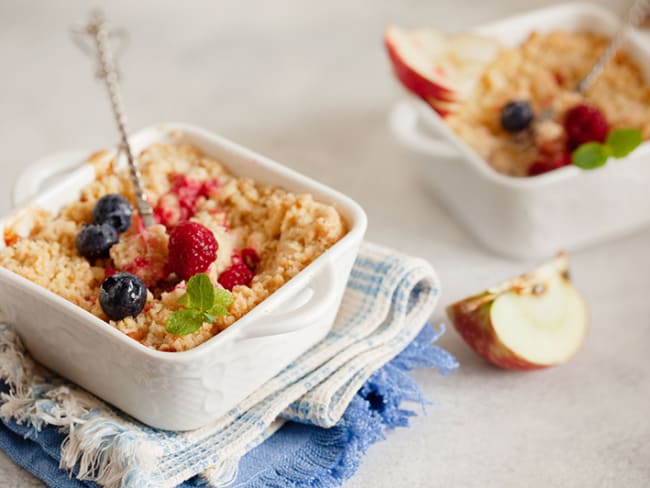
<point>202,303</point>
<point>619,143</point>
<point>623,141</point>
<point>590,155</point>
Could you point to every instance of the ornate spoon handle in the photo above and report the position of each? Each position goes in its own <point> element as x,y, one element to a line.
<point>634,16</point>
<point>98,30</point>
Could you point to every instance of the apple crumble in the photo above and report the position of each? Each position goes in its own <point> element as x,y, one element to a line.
<point>248,238</point>
<point>542,73</point>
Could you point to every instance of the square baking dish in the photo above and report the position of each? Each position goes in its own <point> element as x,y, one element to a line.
<point>533,217</point>
<point>180,390</point>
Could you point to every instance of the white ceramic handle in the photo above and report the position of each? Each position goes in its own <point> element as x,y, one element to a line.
<point>313,301</point>
<point>32,179</point>
<point>404,124</point>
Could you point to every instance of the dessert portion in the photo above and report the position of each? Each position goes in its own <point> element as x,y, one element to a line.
<point>220,246</point>
<point>517,107</point>
<point>530,322</point>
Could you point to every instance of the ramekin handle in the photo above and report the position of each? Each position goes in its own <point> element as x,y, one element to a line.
<point>404,125</point>
<point>32,179</point>
<point>313,302</point>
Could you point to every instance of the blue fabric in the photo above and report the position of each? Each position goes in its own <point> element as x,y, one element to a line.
<point>298,454</point>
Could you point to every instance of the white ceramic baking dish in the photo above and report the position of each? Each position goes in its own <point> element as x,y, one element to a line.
<point>533,217</point>
<point>181,390</point>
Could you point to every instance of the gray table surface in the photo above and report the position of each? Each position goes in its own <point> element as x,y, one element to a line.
<point>307,83</point>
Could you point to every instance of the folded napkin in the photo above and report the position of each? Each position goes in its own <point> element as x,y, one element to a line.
<point>297,455</point>
<point>388,298</point>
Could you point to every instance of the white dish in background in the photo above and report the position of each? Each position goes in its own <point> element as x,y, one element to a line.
<point>533,217</point>
<point>189,389</point>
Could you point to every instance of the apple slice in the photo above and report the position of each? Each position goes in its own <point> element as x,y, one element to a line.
<point>437,67</point>
<point>465,58</point>
<point>413,57</point>
<point>442,107</point>
<point>533,321</point>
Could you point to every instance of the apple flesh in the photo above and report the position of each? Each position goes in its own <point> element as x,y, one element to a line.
<point>443,108</point>
<point>414,65</point>
<point>441,69</point>
<point>533,321</point>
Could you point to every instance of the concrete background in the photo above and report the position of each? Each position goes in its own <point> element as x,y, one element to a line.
<point>307,83</point>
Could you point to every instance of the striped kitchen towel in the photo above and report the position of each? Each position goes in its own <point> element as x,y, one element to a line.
<point>388,298</point>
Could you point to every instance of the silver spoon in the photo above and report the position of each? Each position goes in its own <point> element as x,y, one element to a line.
<point>99,33</point>
<point>635,15</point>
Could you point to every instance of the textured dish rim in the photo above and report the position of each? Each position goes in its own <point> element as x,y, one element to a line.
<point>357,221</point>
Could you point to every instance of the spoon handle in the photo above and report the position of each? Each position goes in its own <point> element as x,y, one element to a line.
<point>98,30</point>
<point>636,14</point>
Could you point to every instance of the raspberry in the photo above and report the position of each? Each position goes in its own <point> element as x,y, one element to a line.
<point>237,274</point>
<point>180,203</point>
<point>545,165</point>
<point>192,249</point>
<point>584,123</point>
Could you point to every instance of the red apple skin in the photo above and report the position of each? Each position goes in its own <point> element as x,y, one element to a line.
<point>475,327</point>
<point>441,112</point>
<point>414,81</point>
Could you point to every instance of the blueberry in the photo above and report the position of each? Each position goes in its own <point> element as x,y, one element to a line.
<point>122,295</point>
<point>115,210</point>
<point>94,241</point>
<point>516,116</point>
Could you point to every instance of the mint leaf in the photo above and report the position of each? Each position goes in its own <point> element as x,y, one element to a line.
<point>202,303</point>
<point>622,142</point>
<point>184,300</point>
<point>183,322</point>
<point>200,292</point>
<point>218,310</point>
<point>590,155</point>
<point>222,297</point>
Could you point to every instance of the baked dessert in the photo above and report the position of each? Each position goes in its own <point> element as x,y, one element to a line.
<point>518,107</point>
<point>231,239</point>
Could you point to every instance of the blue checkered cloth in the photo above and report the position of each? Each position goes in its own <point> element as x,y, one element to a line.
<point>306,427</point>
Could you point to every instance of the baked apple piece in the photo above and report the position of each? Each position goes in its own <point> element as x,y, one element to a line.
<point>533,321</point>
<point>439,68</point>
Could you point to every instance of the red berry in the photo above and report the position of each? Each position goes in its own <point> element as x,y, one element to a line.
<point>545,165</point>
<point>250,258</point>
<point>584,123</point>
<point>237,274</point>
<point>192,249</point>
<point>185,192</point>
